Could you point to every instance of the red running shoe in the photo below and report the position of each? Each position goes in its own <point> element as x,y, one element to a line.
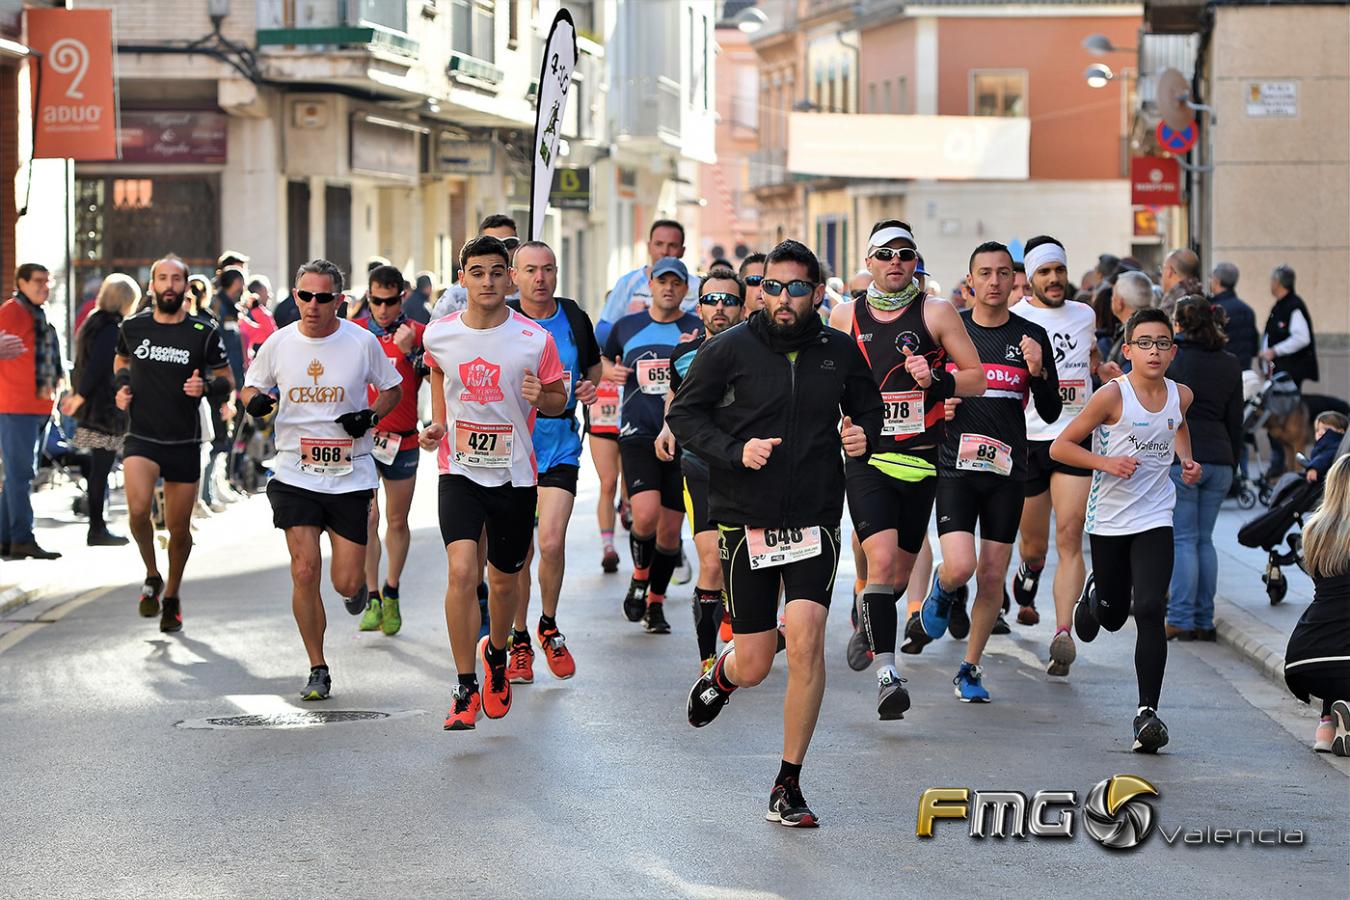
<point>496,689</point>
<point>465,708</point>
<point>556,654</point>
<point>520,663</point>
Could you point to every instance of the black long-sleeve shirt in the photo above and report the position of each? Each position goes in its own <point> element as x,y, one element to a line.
<point>1215,417</point>
<point>739,388</point>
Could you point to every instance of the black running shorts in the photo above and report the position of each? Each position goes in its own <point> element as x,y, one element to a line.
<point>178,463</point>
<point>642,471</point>
<point>562,476</point>
<point>1040,467</point>
<point>696,496</point>
<point>507,512</point>
<point>345,514</point>
<point>992,500</point>
<point>752,594</point>
<point>876,502</point>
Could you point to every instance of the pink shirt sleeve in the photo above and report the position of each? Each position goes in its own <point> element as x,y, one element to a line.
<point>550,366</point>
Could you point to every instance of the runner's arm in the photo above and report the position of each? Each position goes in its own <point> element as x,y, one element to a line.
<point>861,400</point>
<point>961,352</point>
<point>690,414</point>
<point>1181,444</point>
<point>841,317</point>
<point>1045,388</point>
<point>1105,404</point>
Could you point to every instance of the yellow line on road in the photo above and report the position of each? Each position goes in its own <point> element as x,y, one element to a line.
<point>55,614</point>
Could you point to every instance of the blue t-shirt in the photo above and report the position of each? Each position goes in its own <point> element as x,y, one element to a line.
<point>557,441</point>
<point>645,346</point>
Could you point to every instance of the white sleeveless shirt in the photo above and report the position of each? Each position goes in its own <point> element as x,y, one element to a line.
<point>1118,506</point>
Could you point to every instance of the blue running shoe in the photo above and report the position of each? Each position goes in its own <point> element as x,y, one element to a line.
<point>968,686</point>
<point>936,611</point>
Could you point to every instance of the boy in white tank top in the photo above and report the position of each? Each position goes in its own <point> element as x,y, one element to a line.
<point>1138,424</point>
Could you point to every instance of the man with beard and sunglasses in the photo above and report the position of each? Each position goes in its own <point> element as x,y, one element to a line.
<point>1050,484</point>
<point>761,405</point>
<point>394,447</point>
<point>720,306</point>
<point>320,369</point>
<point>908,339</point>
<point>166,362</point>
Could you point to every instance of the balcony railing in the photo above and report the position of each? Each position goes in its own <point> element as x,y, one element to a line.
<point>650,108</point>
<point>768,168</point>
<point>330,24</point>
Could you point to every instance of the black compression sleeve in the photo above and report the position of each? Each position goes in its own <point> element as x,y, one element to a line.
<point>944,383</point>
<point>218,388</point>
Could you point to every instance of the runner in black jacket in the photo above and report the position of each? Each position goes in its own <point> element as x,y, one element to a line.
<point>761,406</point>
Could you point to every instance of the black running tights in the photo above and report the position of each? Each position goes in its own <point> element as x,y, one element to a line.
<point>1138,567</point>
<point>99,470</point>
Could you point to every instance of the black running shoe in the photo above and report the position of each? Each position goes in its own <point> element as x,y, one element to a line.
<point>171,616</point>
<point>1085,624</point>
<point>859,653</point>
<point>319,686</point>
<point>892,698</point>
<point>150,591</point>
<point>1150,734</point>
<point>706,698</point>
<point>788,807</point>
<point>357,604</point>
<point>958,623</point>
<point>654,621</point>
<point>1024,585</point>
<point>1001,626</point>
<point>915,637</point>
<point>635,602</point>
<point>1007,603</point>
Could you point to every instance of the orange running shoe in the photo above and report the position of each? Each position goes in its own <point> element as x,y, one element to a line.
<point>496,689</point>
<point>520,663</point>
<point>556,654</point>
<point>465,708</point>
<point>724,630</point>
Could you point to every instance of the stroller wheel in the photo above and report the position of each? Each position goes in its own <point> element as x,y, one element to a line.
<point>1265,494</point>
<point>1246,498</point>
<point>1276,586</point>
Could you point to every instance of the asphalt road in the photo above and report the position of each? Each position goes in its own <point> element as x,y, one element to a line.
<point>597,787</point>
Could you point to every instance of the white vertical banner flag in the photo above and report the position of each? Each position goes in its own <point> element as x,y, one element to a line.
<point>555,80</point>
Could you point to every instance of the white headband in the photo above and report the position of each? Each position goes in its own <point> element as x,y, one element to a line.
<point>886,235</point>
<point>1044,254</point>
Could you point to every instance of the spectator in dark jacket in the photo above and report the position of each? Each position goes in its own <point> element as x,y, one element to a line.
<point>286,312</point>
<point>1243,339</point>
<point>1180,277</point>
<point>100,425</point>
<point>1329,431</point>
<point>1317,660</point>
<point>1215,424</point>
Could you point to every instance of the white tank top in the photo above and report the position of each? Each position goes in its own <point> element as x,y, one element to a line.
<point>1145,500</point>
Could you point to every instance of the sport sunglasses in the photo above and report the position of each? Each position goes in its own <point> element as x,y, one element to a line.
<point>713,298</point>
<point>384,301</point>
<point>798,287</point>
<point>320,296</point>
<point>886,253</point>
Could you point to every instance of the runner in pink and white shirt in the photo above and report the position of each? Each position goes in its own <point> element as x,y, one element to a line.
<point>492,369</point>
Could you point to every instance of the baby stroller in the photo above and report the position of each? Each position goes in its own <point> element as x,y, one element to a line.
<point>61,462</point>
<point>253,445</point>
<point>1262,398</point>
<point>1292,498</point>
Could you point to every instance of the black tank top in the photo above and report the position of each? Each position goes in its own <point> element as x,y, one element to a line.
<point>881,344</point>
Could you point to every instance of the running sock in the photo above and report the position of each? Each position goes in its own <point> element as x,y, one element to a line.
<point>788,770</point>
<point>879,618</point>
<point>859,586</point>
<point>547,623</point>
<point>389,591</point>
<point>663,566</point>
<point>643,550</point>
<point>1034,568</point>
<point>720,676</point>
<point>482,591</point>
<point>520,637</point>
<point>469,681</point>
<point>607,537</point>
<point>496,656</point>
<point>707,617</point>
<point>884,661</point>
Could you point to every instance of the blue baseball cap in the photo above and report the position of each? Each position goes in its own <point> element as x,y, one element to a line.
<point>670,264</point>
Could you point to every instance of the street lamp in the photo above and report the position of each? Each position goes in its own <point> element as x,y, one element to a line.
<point>1098,75</point>
<point>1100,45</point>
<point>750,20</point>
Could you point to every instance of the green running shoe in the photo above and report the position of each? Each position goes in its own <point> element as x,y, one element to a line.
<point>393,621</point>
<point>370,620</point>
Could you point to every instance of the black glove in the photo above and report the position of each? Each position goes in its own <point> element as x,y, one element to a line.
<point>260,404</point>
<point>358,423</point>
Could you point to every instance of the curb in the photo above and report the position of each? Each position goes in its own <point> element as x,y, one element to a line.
<point>1261,645</point>
<point>14,598</point>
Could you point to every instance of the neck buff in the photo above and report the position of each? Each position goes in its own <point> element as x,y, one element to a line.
<point>879,299</point>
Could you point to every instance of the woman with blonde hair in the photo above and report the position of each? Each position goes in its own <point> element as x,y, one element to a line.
<point>1317,660</point>
<point>101,424</point>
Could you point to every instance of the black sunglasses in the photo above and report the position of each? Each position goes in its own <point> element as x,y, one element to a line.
<point>885,253</point>
<point>384,301</point>
<point>511,242</point>
<point>321,297</point>
<point>798,287</point>
<point>753,280</point>
<point>713,298</point>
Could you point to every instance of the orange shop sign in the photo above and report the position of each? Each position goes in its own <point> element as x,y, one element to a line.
<point>76,106</point>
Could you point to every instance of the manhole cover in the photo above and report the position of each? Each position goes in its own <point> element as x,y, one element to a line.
<point>300,718</point>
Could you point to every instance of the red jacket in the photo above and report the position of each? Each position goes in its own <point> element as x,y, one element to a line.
<point>18,376</point>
